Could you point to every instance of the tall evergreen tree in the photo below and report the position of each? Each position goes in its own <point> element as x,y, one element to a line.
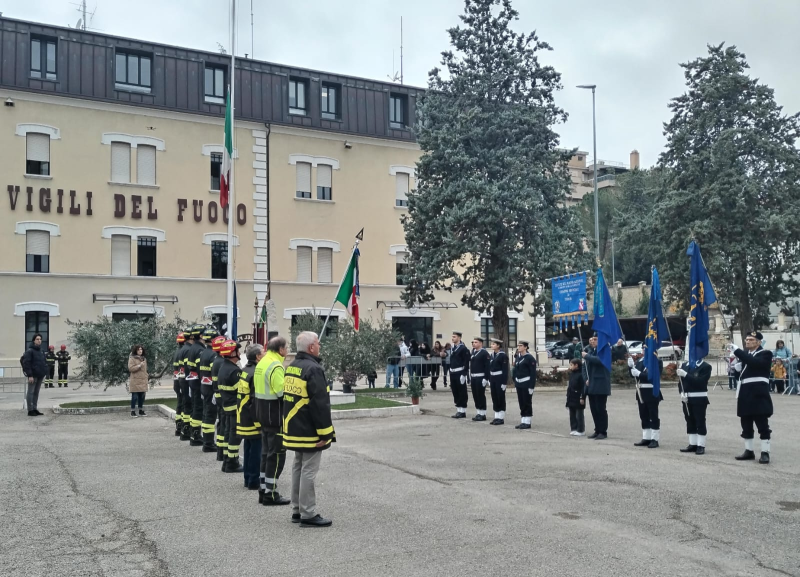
<point>734,185</point>
<point>487,213</point>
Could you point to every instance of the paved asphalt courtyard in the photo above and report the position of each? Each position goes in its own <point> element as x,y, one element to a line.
<point>420,495</point>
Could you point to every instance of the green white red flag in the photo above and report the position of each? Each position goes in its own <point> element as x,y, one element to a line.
<point>227,154</point>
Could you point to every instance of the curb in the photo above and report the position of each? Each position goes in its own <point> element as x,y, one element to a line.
<point>163,409</point>
<point>375,413</point>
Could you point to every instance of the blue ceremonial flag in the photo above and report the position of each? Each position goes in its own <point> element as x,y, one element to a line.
<point>702,296</point>
<point>569,298</point>
<point>657,332</point>
<point>605,322</point>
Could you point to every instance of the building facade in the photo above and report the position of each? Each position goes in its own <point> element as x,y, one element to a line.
<point>582,174</point>
<point>113,152</point>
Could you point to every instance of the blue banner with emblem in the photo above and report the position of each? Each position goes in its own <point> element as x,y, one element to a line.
<point>569,299</point>
<point>702,296</point>
<point>657,332</point>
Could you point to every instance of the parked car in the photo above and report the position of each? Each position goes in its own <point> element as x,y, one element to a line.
<point>666,351</point>
<point>551,347</point>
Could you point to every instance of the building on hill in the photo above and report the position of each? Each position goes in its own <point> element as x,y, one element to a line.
<point>582,174</point>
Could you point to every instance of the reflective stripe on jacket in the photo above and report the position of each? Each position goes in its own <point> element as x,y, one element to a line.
<point>306,406</point>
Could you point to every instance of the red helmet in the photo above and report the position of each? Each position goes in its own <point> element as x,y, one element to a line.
<point>181,338</point>
<point>63,347</point>
<point>216,343</point>
<point>52,348</point>
<point>229,348</point>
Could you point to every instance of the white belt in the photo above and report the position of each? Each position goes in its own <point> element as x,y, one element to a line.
<point>495,373</point>
<point>755,380</point>
<point>475,375</point>
<point>523,379</point>
<point>645,385</point>
<point>458,370</point>
<point>690,395</point>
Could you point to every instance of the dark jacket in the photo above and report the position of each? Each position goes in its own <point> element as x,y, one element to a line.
<point>618,353</point>
<point>394,359</point>
<point>34,363</point>
<point>228,384</point>
<point>599,376</point>
<point>246,424</point>
<point>646,383</point>
<point>498,368</point>
<point>183,369</point>
<point>63,358</point>
<point>525,371</point>
<point>306,406</point>
<point>50,359</point>
<point>206,360</point>
<point>575,389</point>
<point>695,383</point>
<point>193,361</point>
<point>459,361</point>
<point>176,364</point>
<point>215,367</point>
<point>752,395</point>
<point>479,365</point>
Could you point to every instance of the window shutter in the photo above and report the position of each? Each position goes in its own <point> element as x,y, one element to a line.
<point>37,242</point>
<point>325,265</point>
<point>120,162</point>
<point>38,146</point>
<point>324,175</point>
<point>401,192</point>
<point>303,264</point>
<point>120,255</point>
<point>303,177</point>
<point>402,257</point>
<point>146,165</point>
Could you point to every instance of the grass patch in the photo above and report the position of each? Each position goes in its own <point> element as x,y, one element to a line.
<point>367,402</point>
<point>368,391</point>
<point>170,402</point>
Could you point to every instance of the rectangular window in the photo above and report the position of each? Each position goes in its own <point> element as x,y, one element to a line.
<point>303,264</point>
<point>132,72</point>
<point>131,317</point>
<point>325,265</point>
<point>397,111</point>
<point>146,258</point>
<point>37,251</point>
<point>219,259</point>
<point>146,164</point>
<point>297,96</point>
<point>37,154</point>
<point>401,189</point>
<point>216,169</point>
<point>37,322</point>
<point>214,85</point>
<point>401,268</point>
<point>487,330</point>
<point>303,188</point>
<point>120,255</point>
<point>43,58</point>
<point>324,178</point>
<point>120,162</point>
<point>330,101</point>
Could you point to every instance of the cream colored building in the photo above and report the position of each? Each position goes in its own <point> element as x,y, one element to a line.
<point>111,207</point>
<point>582,174</point>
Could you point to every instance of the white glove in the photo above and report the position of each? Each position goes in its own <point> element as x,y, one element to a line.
<point>630,362</point>
<point>485,383</point>
<point>503,388</point>
<point>213,399</point>
<point>681,373</point>
<point>530,391</point>
<point>636,373</point>
<point>684,397</point>
<point>733,347</point>
<point>738,367</point>
<point>463,380</point>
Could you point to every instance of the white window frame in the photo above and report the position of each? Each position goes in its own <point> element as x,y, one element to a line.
<point>51,309</point>
<point>134,232</point>
<point>314,244</point>
<point>132,309</point>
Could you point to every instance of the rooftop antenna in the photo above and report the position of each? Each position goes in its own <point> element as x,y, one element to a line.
<point>252,33</point>
<point>85,19</point>
<point>398,76</point>
<point>221,48</point>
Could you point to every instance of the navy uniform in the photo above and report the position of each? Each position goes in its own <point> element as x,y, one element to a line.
<point>186,415</point>
<point>222,421</point>
<point>193,380</point>
<point>459,366</point>
<point>693,386</point>
<point>648,403</point>
<point>525,382</point>
<point>753,402</point>
<point>209,417</point>
<point>479,378</point>
<point>498,377</point>
<point>63,357</point>
<point>177,375</point>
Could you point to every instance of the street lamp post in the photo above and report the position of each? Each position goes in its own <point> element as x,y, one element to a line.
<point>592,87</point>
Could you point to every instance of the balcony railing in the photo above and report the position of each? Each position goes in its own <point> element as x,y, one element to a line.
<point>604,178</point>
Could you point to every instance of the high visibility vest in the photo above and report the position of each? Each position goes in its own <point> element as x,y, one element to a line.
<point>263,375</point>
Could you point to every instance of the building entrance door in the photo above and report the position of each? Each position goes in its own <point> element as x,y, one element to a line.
<point>417,328</point>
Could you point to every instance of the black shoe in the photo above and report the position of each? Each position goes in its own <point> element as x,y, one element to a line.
<point>700,450</point>
<point>653,445</point>
<point>253,487</point>
<point>460,416</point>
<point>220,454</point>
<point>318,521</point>
<point>295,517</point>
<point>142,413</point>
<point>746,456</point>
<point>593,436</point>
<point>133,413</point>
<point>479,418</point>
<point>211,449</point>
<point>275,499</point>
<point>177,432</point>
<point>33,414</point>
<point>642,443</point>
<point>185,436</point>
<point>499,422</point>
<point>233,467</point>
<point>38,414</point>
<point>690,449</point>
<point>260,496</point>
<point>523,426</point>
<point>600,437</point>
<point>764,460</point>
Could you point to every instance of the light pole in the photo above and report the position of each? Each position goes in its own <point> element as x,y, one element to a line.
<point>594,171</point>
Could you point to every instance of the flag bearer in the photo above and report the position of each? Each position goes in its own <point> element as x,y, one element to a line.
<point>63,358</point>
<point>648,403</point>
<point>207,356</point>
<point>525,382</point>
<point>479,377</point>
<point>177,377</point>
<point>459,366</point>
<point>498,377</point>
<point>50,357</point>
<point>753,402</point>
<point>693,384</point>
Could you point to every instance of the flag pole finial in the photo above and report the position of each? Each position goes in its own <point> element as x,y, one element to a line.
<point>360,235</point>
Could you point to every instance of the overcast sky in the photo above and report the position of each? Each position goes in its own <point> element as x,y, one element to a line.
<point>629,48</point>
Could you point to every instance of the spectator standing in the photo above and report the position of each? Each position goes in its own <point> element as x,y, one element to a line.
<point>576,398</point>
<point>778,376</point>
<point>733,374</point>
<point>599,389</point>
<point>404,353</point>
<point>446,363</point>
<point>393,366</point>
<point>137,386</point>
<point>412,362</point>
<point>425,353</point>
<point>35,368</point>
<point>619,351</point>
<point>437,355</point>
<point>372,376</point>
<point>784,356</point>
<point>574,349</point>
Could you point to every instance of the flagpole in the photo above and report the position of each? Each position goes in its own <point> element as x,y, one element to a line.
<point>672,344</point>
<point>231,203</point>
<point>721,313</point>
<point>341,282</point>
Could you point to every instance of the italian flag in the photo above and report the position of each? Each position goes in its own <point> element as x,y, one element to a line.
<point>227,155</point>
<point>348,291</point>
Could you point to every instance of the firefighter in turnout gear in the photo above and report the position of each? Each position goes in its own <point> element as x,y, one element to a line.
<point>753,402</point>
<point>193,380</point>
<point>177,375</point>
<point>268,384</point>
<point>247,427</point>
<point>459,367</point>
<point>479,377</point>
<point>186,415</point>
<point>648,403</point>
<point>207,356</point>
<point>525,382</point>
<point>228,384</point>
<point>220,414</point>
<point>498,377</point>
<point>50,358</point>
<point>693,386</point>
<point>63,358</point>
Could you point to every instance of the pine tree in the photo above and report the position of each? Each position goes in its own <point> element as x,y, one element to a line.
<point>733,176</point>
<point>487,214</point>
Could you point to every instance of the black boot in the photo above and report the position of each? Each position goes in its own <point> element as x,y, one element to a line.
<point>220,454</point>
<point>700,450</point>
<point>186,432</point>
<point>178,425</point>
<point>689,449</point>
<point>208,443</point>
<point>642,443</point>
<point>233,465</point>
<point>748,455</point>
<point>274,498</point>
<point>764,460</point>
<point>196,441</point>
<point>261,496</point>
<point>653,445</point>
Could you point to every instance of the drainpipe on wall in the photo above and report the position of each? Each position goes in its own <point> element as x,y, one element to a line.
<point>269,224</point>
